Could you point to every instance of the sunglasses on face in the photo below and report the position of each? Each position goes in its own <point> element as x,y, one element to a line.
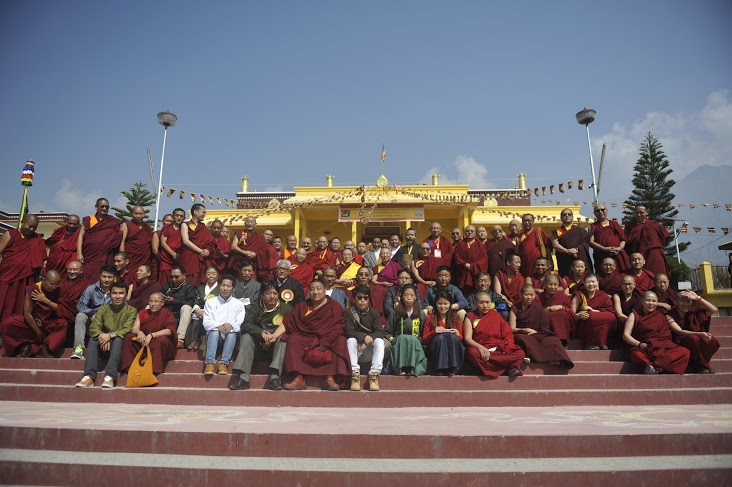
<point>362,298</point>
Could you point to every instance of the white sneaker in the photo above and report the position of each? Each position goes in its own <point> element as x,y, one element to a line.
<point>85,381</point>
<point>527,360</point>
<point>108,382</point>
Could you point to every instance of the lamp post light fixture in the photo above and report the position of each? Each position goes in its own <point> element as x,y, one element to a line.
<point>676,236</point>
<point>586,117</point>
<point>166,119</point>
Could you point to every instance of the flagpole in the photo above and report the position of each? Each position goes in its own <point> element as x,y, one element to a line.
<point>23,205</point>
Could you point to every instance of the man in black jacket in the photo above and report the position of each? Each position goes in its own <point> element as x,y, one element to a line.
<point>180,297</point>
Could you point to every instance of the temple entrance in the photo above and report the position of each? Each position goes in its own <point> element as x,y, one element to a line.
<point>382,232</point>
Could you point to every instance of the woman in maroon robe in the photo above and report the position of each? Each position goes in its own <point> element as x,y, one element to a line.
<point>98,240</point>
<point>143,287</point>
<point>607,239</point>
<point>136,239</point>
<point>648,332</point>
<point>595,314</point>
<point>385,274</point>
<point>301,271</point>
<point>695,325</point>
<point>154,327</point>
<point>315,341</point>
<point>558,309</point>
<point>424,269</point>
<point>508,283</point>
<point>533,333</point>
<point>609,276</point>
<point>626,301</point>
<point>570,242</point>
<point>23,252</point>
<point>489,341</point>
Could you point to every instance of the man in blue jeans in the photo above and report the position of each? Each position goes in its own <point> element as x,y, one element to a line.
<point>94,297</point>
<point>222,319</point>
<point>107,333</point>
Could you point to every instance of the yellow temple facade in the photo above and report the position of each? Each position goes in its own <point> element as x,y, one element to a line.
<point>363,212</point>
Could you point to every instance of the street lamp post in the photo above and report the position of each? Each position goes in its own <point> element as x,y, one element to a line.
<point>166,119</point>
<point>676,237</point>
<point>586,117</point>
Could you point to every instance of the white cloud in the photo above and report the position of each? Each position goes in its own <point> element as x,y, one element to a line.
<point>71,199</point>
<point>689,141</point>
<point>463,170</point>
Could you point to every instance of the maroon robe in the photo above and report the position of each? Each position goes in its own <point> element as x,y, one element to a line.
<point>302,273</point>
<point>162,348</point>
<point>323,326</point>
<point>320,259</point>
<point>627,306</point>
<point>100,244</point>
<point>601,323</point>
<point>541,346</point>
<point>662,352</point>
<point>497,254</point>
<point>388,272</point>
<point>427,269</point>
<point>69,298</point>
<point>201,237</point>
<point>472,253</point>
<point>445,247</point>
<point>62,250</point>
<point>512,289</point>
<point>16,332</point>
<point>222,247</point>
<point>609,236</point>
<point>532,245</point>
<point>563,322</point>
<point>649,238</point>
<point>21,262</point>
<point>644,282</point>
<point>141,294</point>
<point>265,256</point>
<point>491,330</point>
<point>175,242</point>
<point>610,284</point>
<point>538,281</point>
<point>700,351</point>
<point>572,286</point>
<point>137,245</point>
<point>575,237</point>
<point>669,297</point>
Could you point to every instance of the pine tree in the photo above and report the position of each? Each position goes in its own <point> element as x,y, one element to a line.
<point>652,188</point>
<point>138,195</point>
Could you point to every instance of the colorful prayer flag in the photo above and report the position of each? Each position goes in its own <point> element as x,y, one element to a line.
<point>561,187</point>
<point>711,230</point>
<point>725,230</point>
<point>383,153</point>
<point>26,178</point>
<point>170,192</point>
<point>569,184</point>
<point>581,184</point>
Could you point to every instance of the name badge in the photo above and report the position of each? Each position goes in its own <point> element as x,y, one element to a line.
<point>437,253</point>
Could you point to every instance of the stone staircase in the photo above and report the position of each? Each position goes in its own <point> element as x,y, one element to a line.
<point>598,423</point>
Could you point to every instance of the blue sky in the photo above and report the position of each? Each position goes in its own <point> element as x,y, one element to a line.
<point>287,92</point>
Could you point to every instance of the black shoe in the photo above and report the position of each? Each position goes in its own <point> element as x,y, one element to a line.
<point>44,353</point>
<point>240,385</point>
<point>513,372</point>
<point>275,384</point>
<point>24,351</point>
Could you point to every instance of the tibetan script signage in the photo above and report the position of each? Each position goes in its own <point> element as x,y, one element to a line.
<point>382,213</point>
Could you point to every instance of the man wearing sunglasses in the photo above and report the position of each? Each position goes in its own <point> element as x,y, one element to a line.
<point>607,238</point>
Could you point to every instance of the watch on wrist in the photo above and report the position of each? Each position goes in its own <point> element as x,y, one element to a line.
<point>113,335</point>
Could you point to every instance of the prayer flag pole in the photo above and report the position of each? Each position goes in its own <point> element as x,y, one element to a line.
<point>26,179</point>
<point>166,119</point>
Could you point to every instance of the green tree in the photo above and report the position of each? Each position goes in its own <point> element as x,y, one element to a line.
<point>137,195</point>
<point>652,187</point>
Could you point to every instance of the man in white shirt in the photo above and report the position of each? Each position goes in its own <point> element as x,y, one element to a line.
<point>222,319</point>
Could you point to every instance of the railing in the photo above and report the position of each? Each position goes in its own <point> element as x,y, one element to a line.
<point>696,280</point>
<point>721,277</point>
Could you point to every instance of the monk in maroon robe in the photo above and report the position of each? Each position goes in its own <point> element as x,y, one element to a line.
<point>136,239</point>
<point>498,250</point>
<point>533,333</point>
<point>644,279</point>
<point>441,247</point>
<point>424,269</point>
<point>574,281</point>
<point>156,328</point>
<point>38,331</point>
<point>385,274</point>
<point>595,314</point>
<point>321,257</point>
<point>609,276</point>
<point>23,252</point>
<point>607,239</point>
<point>62,245</point>
<point>252,245</point>
<point>197,245</point>
<point>171,243</point>
<point>694,321</point>
<point>570,242</point>
<point>533,243</point>
<point>469,258</point>
<point>508,283</point>
<point>155,247</point>
<point>301,271</point>
<point>626,301</point>
<point>143,287</point>
<point>489,341</point>
<point>666,295</point>
<point>558,309</point>
<point>648,332</point>
<point>315,341</point>
<point>72,286</point>
<point>222,248</point>
<point>98,240</point>
<point>649,238</point>
<point>538,277</point>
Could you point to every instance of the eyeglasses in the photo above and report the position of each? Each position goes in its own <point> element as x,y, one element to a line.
<point>424,248</point>
<point>362,298</point>
<point>598,210</point>
<point>283,268</point>
<point>102,206</point>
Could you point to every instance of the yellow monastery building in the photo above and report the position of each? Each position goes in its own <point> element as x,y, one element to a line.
<point>361,213</point>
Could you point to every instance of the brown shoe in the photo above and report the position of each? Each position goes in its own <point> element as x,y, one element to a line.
<point>374,381</point>
<point>43,352</point>
<point>330,384</point>
<point>223,369</point>
<point>355,381</point>
<point>209,370</point>
<point>24,350</point>
<point>296,384</point>
<point>180,344</point>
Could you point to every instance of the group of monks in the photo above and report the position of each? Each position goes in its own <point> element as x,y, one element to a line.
<point>512,271</point>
